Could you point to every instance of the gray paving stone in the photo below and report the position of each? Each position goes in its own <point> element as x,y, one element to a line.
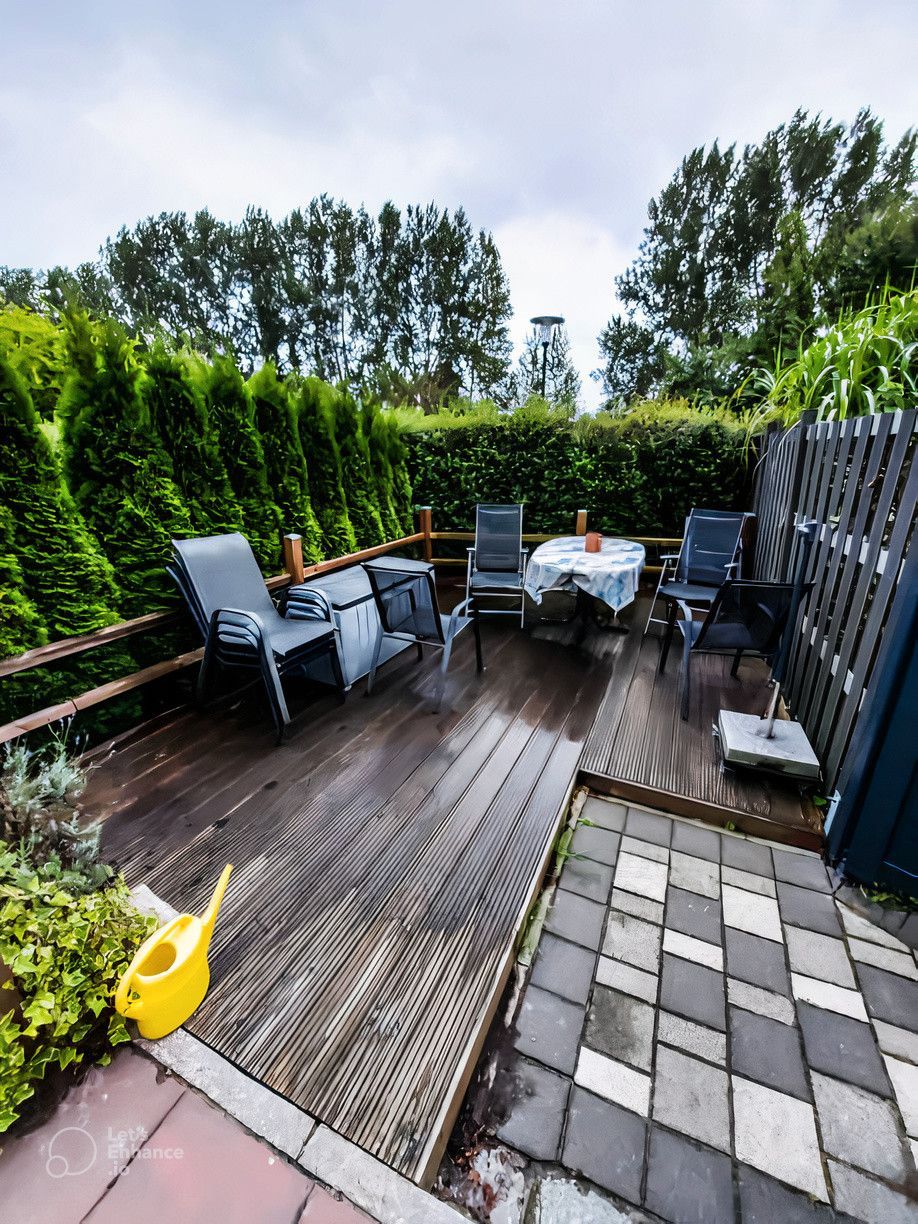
<point>819,956</point>
<point>605,813</point>
<point>776,1133</point>
<point>644,849</point>
<point>693,914</point>
<point>690,1096</point>
<point>764,1050</point>
<point>865,1199</point>
<point>890,997</point>
<point>621,1026</point>
<point>641,907</point>
<point>762,1002</point>
<point>758,961</point>
<point>845,1048</point>
<point>686,1182</point>
<point>649,827</point>
<point>619,976</point>
<point>902,962</point>
<point>904,1078</point>
<point>555,1200</point>
<point>764,885</point>
<point>538,1102</point>
<point>577,919</point>
<point>752,913</point>
<point>859,1128</point>
<point>633,941</point>
<point>696,839</point>
<point>587,878</point>
<point>696,875</point>
<point>765,1201</point>
<point>563,967</point>
<point>613,1080</point>
<point>605,1143</point>
<point>803,869</point>
<point>549,1029</point>
<point>897,1041</point>
<point>595,843</point>
<point>813,911</point>
<point>746,855</point>
<point>693,991</point>
<point>694,1038</point>
<point>641,876</point>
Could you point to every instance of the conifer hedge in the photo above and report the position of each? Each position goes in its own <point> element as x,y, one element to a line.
<point>118,470</point>
<point>232,413</point>
<point>285,463</point>
<point>361,489</point>
<point>316,404</point>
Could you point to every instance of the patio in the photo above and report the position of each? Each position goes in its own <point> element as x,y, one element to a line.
<point>385,861</point>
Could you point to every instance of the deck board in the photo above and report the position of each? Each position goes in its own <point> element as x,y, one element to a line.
<point>385,857</point>
<point>640,749</point>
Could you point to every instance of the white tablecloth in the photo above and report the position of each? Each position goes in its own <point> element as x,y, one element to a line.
<point>611,575</point>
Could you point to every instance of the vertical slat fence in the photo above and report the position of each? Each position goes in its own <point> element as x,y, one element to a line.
<point>859,480</point>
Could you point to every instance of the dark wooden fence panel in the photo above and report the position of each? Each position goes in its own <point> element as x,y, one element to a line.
<point>859,480</point>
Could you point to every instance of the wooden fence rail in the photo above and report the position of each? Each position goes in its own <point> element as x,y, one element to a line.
<point>858,479</point>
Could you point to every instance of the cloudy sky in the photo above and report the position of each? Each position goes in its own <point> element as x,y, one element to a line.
<point>552,123</point>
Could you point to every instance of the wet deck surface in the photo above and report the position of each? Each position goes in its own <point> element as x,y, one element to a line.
<point>640,750</point>
<point>384,858</point>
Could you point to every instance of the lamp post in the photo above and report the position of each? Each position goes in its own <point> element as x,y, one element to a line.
<point>546,324</point>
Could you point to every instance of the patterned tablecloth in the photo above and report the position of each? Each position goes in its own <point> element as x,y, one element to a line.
<point>611,575</point>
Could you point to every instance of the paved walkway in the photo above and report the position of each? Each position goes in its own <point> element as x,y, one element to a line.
<point>130,1145</point>
<point>707,1034</point>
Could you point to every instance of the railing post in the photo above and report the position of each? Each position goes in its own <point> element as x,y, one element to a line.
<point>293,557</point>
<point>581,525</point>
<point>424,522</point>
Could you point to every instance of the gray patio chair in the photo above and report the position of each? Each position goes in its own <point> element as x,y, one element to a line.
<point>711,553</point>
<point>241,627</point>
<point>497,563</point>
<point>744,618</point>
<point>406,600</point>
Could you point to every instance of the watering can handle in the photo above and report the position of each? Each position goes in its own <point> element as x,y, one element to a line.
<point>122,1002</point>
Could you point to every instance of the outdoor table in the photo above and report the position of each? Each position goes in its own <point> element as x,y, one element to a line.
<point>611,575</point>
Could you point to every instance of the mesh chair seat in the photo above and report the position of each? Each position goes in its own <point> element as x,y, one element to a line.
<point>491,580</point>
<point>691,592</point>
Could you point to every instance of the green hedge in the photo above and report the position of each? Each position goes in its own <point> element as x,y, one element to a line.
<point>637,474</point>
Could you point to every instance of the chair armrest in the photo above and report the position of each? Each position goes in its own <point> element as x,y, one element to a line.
<point>669,556</point>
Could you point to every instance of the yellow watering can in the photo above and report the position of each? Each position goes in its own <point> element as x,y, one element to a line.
<point>169,976</point>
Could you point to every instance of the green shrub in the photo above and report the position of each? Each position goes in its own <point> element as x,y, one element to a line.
<point>233,415</point>
<point>285,463</point>
<point>65,953</point>
<point>119,474</point>
<point>21,626</point>
<point>178,411</point>
<point>376,431</point>
<point>316,404</point>
<point>637,474</point>
<point>357,473</point>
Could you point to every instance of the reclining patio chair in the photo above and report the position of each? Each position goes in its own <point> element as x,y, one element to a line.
<point>497,563</point>
<point>711,553</point>
<point>744,618</point>
<point>406,600</point>
<point>241,627</point>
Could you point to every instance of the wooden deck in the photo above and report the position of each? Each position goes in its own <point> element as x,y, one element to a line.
<point>640,750</point>
<point>385,858</point>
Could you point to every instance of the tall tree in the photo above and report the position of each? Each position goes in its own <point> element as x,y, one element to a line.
<point>316,404</point>
<point>730,225</point>
<point>562,382</point>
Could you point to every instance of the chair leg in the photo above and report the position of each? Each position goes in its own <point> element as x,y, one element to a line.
<point>671,610</point>
<point>335,660</point>
<point>476,629</point>
<point>656,596</point>
<point>736,662</point>
<point>276,698</point>
<point>420,650</point>
<point>204,673</point>
<point>377,650</point>
<point>686,677</point>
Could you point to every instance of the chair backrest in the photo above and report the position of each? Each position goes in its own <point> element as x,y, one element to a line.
<point>711,544</point>
<point>220,572</point>
<point>498,538</point>
<point>405,595</point>
<point>759,610</point>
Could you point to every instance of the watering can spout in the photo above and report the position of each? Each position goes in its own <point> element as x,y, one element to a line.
<point>210,914</point>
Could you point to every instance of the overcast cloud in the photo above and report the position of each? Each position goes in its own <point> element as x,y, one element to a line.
<point>551,123</point>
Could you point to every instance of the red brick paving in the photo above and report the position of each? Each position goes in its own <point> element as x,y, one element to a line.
<point>130,1145</point>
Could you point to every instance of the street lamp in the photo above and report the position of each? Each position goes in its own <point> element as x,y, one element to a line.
<point>545,324</point>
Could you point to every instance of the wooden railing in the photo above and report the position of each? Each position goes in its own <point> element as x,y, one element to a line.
<point>295,571</point>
